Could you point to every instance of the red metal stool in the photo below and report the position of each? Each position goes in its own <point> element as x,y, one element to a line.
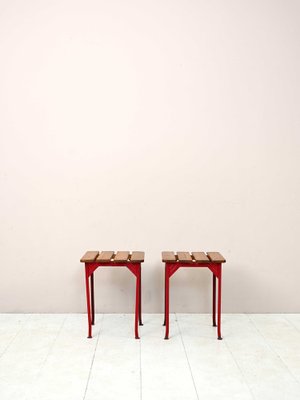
<point>95,259</point>
<point>211,260</point>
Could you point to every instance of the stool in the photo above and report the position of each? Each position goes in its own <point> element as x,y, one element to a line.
<point>95,259</point>
<point>211,260</point>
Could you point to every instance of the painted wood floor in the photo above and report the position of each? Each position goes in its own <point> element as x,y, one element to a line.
<point>47,356</point>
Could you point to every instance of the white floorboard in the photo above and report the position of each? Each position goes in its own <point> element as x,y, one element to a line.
<point>165,369</point>
<point>264,372</point>
<point>215,371</point>
<point>48,357</point>
<point>65,372</point>
<point>26,354</point>
<point>283,338</point>
<point>116,368</point>
<point>10,326</point>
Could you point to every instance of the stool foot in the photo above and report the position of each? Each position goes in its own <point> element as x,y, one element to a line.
<point>137,337</point>
<point>220,338</point>
<point>164,324</point>
<point>215,325</point>
<point>166,338</point>
<point>141,324</point>
<point>90,337</point>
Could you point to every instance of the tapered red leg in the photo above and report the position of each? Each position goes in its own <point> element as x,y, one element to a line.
<point>137,306</point>
<point>214,301</point>
<point>164,324</point>
<point>93,299</point>
<point>140,296</point>
<point>219,303</point>
<point>88,302</point>
<point>167,302</point>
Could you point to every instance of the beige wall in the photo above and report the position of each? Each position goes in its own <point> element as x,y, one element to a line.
<point>149,125</point>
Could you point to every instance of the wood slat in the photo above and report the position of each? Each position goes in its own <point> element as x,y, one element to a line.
<point>105,256</point>
<point>214,256</point>
<point>89,256</point>
<point>184,256</point>
<point>168,256</point>
<point>121,256</point>
<point>200,256</point>
<point>137,256</point>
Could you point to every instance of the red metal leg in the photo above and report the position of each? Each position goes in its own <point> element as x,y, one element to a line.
<point>214,301</point>
<point>140,296</point>
<point>219,302</point>
<point>137,306</point>
<point>164,324</point>
<point>88,301</point>
<point>93,299</point>
<point>167,300</point>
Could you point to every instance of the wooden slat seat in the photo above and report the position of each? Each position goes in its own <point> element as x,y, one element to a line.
<point>200,256</point>
<point>194,257</point>
<point>111,256</point>
<point>105,256</point>
<point>184,256</point>
<point>121,256</point>
<point>215,256</point>
<point>137,256</point>
<point>168,256</point>
<point>89,256</point>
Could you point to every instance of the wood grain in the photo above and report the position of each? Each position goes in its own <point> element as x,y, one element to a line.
<point>105,256</point>
<point>200,256</point>
<point>168,256</point>
<point>121,256</point>
<point>214,256</point>
<point>184,256</point>
<point>89,256</point>
<point>137,256</point>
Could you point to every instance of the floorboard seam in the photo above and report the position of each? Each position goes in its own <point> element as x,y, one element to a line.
<point>291,323</point>
<point>51,347</point>
<point>273,350</point>
<point>93,359</point>
<point>239,368</point>
<point>141,381</point>
<point>16,335</point>
<point>190,368</point>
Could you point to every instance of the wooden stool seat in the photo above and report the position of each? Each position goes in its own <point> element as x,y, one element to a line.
<point>212,260</point>
<point>95,259</point>
<point>195,256</point>
<point>111,256</point>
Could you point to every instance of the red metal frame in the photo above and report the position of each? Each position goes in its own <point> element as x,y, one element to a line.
<point>135,268</point>
<point>216,269</point>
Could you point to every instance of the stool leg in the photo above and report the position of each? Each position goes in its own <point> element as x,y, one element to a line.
<point>219,302</point>
<point>93,299</point>
<point>140,297</point>
<point>88,302</point>
<point>137,306</point>
<point>214,301</point>
<point>167,306</point>
<point>164,324</point>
